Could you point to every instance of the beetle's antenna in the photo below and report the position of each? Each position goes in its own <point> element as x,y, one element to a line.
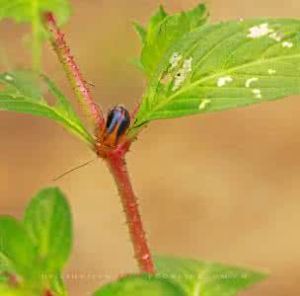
<point>73,169</point>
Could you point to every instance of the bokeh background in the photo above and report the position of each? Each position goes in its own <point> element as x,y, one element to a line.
<point>221,187</point>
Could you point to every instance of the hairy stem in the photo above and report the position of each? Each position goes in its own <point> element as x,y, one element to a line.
<point>72,70</point>
<point>115,159</point>
<point>117,165</point>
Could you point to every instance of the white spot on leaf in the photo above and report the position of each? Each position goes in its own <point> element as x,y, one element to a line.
<point>187,65</point>
<point>276,36</point>
<point>259,31</point>
<point>287,44</point>
<point>204,104</point>
<point>224,80</point>
<point>271,71</point>
<point>175,59</point>
<point>182,73</point>
<point>257,93</point>
<point>8,77</point>
<point>250,80</point>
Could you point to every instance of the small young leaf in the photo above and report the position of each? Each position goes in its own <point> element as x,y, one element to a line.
<point>28,10</point>
<point>49,224</point>
<point>209,279</point>
<point>156,20</point>
<point>24,92</point>
<point>142,285</point>
<point>163,30</point>
<point>17,252</point>
<point>141,31</point>
<point>226,65</point>
<point>31,11</point>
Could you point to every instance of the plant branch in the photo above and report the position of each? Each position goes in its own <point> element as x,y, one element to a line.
<point>115,159</point>
<point>72,70</point>
<point>117,165</point>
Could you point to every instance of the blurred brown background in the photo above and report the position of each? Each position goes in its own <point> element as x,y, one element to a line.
<point>222,187</point>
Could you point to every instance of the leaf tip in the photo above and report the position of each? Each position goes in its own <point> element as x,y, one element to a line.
<point>140,30</point>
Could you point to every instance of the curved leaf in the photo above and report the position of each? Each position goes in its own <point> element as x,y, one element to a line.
<point>49,224</point>
<point>206,279</point>
<point>225,65</point>
<point>163,30</point>
<point>24,92</point>
<point>17,252</point>
<point>142,285</point>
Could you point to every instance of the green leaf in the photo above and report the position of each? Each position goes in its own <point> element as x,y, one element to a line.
<point>156,20</point>
<point>17,252</point>
<point>49,224</point>
<point>142,285</point>
<point>27,10</point>
<point>163,30</point>
<point>225,65</point>
<point>3,277</point>
<point>24,92</point>
<point>57,285</point>
<point>6,265</point>
<point>5,290</point>
<point>206,279</point>
<point>31,11</point>
<point>141,31</point>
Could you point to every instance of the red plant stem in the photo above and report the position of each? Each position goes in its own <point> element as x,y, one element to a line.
<point>72,70</point>
<point>48,293</point>
<point>115,159</point>
<point>117,166</point>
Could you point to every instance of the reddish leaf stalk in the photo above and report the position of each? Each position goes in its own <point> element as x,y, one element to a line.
<point>72,70</point>
<point>117,165</point>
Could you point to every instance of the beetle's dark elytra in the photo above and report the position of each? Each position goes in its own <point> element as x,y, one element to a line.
<point>118,121</point>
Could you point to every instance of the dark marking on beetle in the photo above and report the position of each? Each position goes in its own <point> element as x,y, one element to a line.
<point>117,123</point>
